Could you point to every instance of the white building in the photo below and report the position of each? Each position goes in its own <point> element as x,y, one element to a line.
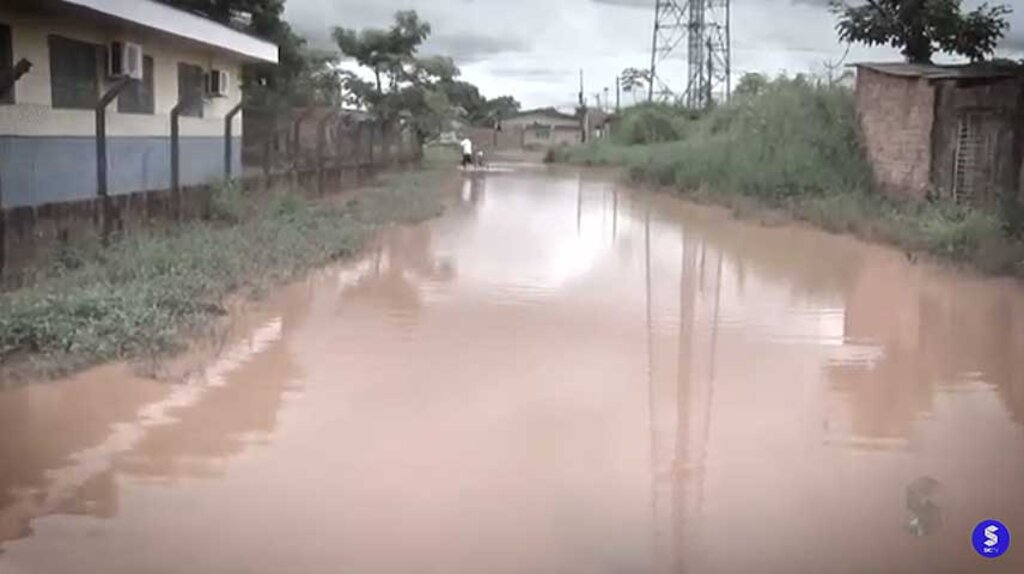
<point>48,126</point>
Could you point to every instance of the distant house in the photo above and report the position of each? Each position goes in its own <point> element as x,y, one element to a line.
<point>950,132</point>
<point>78,50</point>
<point>545,127</point>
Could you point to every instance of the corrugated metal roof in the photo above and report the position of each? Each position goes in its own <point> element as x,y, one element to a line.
<point>1000,69</point>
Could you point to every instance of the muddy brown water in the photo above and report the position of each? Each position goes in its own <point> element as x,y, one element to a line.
<point>558,375</point>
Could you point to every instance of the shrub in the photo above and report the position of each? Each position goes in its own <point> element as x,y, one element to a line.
<point>792,138</point>
<point>652,123</point>
<point>227,202</point>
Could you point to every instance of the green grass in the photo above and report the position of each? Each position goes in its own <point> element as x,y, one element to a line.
<point>146,294</point>
<point>795,147</point>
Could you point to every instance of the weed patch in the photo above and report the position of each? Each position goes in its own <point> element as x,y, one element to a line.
<point>143,295</point>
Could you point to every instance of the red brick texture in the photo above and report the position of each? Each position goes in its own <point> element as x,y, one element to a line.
<point>896,116</point>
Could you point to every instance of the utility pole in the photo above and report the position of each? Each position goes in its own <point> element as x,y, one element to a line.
<point>582,102</point>
<point>617,93</point>
<point>583,112</point>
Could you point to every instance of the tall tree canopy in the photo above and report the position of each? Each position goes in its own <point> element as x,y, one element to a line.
<point>751,84</point>
<point>424,89</point>
<point>922,27</point>
<point>634,81</point>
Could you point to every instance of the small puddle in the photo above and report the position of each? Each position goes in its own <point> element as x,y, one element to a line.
<point>558,375</point>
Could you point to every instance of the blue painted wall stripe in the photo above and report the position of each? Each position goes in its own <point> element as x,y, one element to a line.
<point>39,170</point>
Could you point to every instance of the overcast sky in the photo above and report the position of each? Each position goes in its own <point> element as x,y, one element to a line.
<point>533,49</point>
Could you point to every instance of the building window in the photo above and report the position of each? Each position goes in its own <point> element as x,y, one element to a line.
<point>541,131</point>
<point>6,62</point>
<point>137,97</point>
<point>74,73</point>
<point>190,87</point>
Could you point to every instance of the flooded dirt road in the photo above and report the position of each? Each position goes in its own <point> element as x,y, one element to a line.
<point>559,375</point>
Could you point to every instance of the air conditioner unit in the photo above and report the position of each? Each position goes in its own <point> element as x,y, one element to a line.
<point>218,83</point>
<point>124,60</point>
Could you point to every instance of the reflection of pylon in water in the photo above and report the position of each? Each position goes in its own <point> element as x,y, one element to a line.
<point>680,432</point>
<point>703,27</point>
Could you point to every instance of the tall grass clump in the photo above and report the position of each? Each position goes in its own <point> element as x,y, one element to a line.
<point>653,123</point>
<point>791,139</point>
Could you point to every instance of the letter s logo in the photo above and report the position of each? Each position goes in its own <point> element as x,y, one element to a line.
<point>991,539</point>
<point>990,535</point>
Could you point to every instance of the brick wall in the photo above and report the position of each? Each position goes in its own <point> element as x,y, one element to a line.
<point>509,138</point>
<point>896,115</point>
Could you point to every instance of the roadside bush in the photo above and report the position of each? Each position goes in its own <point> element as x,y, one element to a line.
<point>227,202</point>
<point>652,123</point>
<point>792,138</point>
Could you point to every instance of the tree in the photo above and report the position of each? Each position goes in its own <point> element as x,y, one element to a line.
<point>751,84</point>
<point>477,109</point>
<point>499,108</point>
<point>919,28</point>
<point>410,88</point>
<point>633,81</point>
<point>385,52</point>
<point>416,89</point>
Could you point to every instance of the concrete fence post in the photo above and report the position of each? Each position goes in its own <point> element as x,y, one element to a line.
<point>229,121</point>
<point>102,190</point>
<point>6,83</point>
<point>321,147</point>
<point>176,151</point>
<point>297,144</point>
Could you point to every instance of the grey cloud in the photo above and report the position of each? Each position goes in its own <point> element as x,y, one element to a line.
<point>472,47</point>
<point>646,4</point>
<point>533,74</point>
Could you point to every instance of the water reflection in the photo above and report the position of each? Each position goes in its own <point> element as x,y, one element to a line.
<point>66,446</point>
<point>564,375</point>
<point>391,274</point>
<point>862,352</point>
<point>938,336</point>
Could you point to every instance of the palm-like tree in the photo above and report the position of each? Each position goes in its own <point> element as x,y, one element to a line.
<point>633,81</point>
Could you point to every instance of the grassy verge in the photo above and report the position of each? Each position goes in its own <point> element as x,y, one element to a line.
<point>145,295</point>
<point>794,147</point>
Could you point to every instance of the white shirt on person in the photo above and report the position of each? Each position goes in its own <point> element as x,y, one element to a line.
<point>467,147</point>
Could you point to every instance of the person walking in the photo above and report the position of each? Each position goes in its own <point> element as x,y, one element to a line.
<point>467,152</point>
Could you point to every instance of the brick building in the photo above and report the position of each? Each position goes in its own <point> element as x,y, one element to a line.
<point>950,132</point>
